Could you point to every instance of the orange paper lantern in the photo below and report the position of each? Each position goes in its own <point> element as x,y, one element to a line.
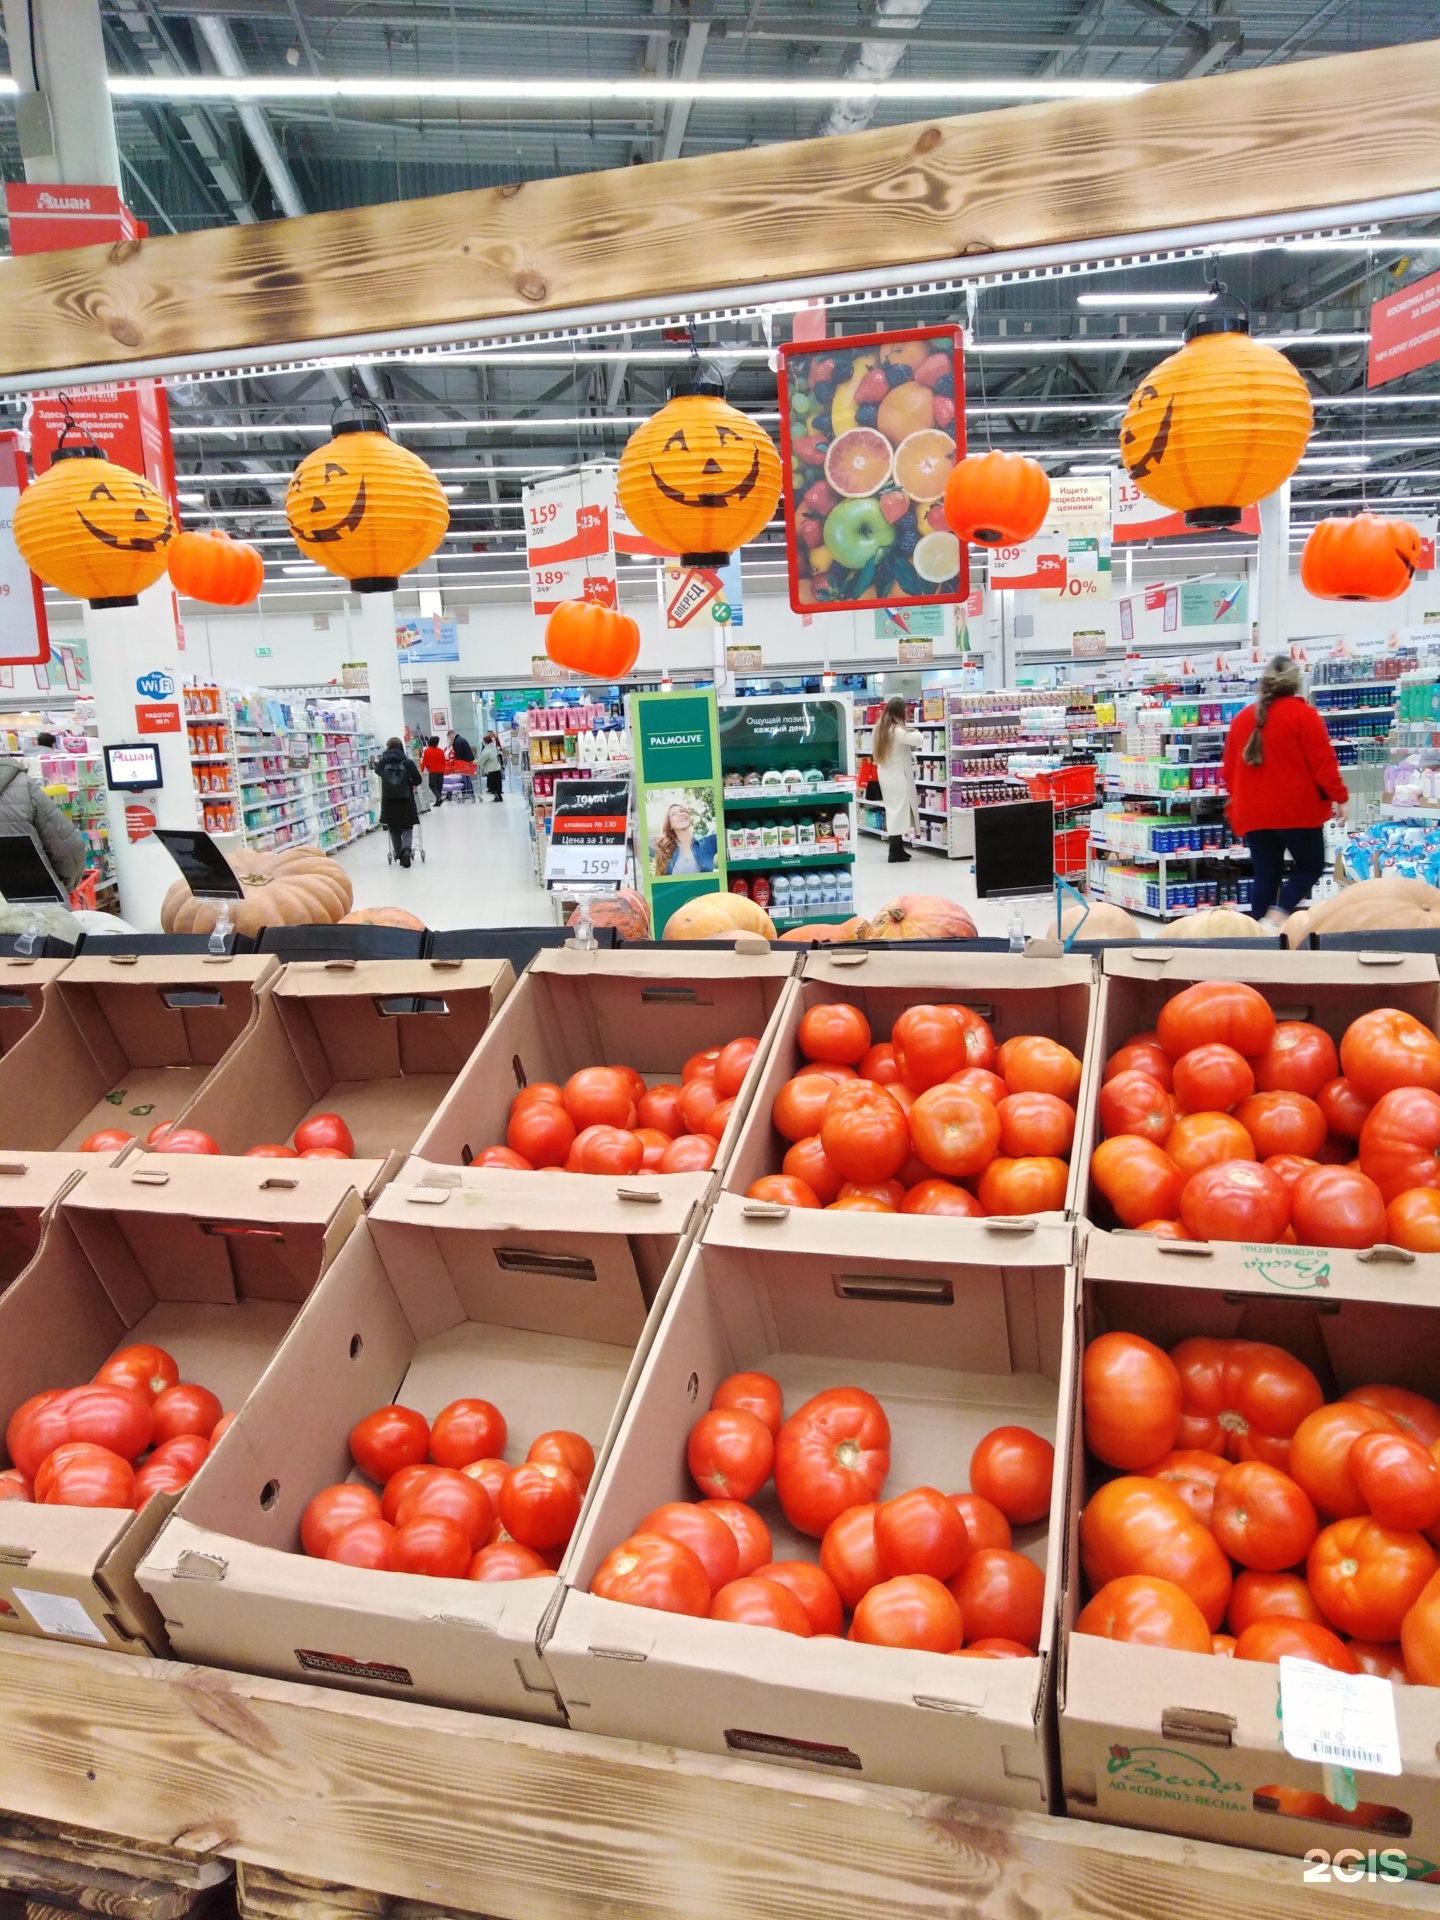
<point>592,640</point>
<point>94,529</point>
<point>1360,557</point>
<point>214,568</point>
<point>997,499</point>
<point>699,478</point>
<point>363,507</point>
<point>1218,425</point>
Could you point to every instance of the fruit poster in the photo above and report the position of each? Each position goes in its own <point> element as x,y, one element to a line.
<point>871,426</point>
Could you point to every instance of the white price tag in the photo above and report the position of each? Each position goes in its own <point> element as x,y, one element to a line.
<point>594,866</point>
<point>1339,1719</point>
<point>57,1613</point>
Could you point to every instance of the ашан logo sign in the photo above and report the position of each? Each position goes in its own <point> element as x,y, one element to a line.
<point>63,203</point>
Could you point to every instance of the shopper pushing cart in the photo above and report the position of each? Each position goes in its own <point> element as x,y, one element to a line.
<point>399,777</point>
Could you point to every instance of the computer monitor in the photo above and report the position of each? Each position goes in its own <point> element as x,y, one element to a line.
<point>26,876</point>
<point>133,767</point>
<point>203,866</point>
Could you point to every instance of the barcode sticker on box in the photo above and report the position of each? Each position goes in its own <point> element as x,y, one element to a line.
<point>1339,1719</point>
<point>57,1613</point>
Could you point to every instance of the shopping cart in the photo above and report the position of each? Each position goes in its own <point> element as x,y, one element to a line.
<point>460,779</point>
<point>417,841</point>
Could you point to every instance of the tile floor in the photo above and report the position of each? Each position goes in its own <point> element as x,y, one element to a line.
<point>477,874</point>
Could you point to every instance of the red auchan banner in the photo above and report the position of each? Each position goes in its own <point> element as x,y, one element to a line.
<point>48,219</point>
<point>1405,331</point>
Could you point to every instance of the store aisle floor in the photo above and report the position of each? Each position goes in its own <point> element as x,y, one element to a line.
<point>477,874</point>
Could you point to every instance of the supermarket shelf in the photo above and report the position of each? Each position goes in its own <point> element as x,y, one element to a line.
<point>933,813</point>
<point>743,803</point>
<point>779,863</point>
<point>1372,712</point>
<point>829,918</point>
<point>928,846</point>
<point>1134,858</point>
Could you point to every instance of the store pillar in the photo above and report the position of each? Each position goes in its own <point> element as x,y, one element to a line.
<point>372,639</point>
<point>62,110</point>
<point>1272,566</point>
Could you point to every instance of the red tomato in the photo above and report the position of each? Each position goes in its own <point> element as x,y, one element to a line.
<point>1210,1080</point>
<point>1236,1200</point>
<point>1387,1049</point>
<point>331,1511</point>
<point>186,1140</point>
<point>599,1097</point>
<point>1032,1064</point>
<point>1366,1577</point>
<point>880,1065</point>
<point>500,1157</point>
<point>1013,1468</point>
<point>995,1648</point>
<point>1002,1596</point>
<point>812,1587</point>
<point>405,1481</point>
<point>941,1196</point>
<point>1146,1612</point>
<point>80,1474</point>
<point>1413,1220</point>
<point>718,1118</point>
<point>323,1153</point>
<point>1269,1596</point>
<point>1193,1474</point>
<point>912,1610</point>
<point>433,1544</point>
<point>185,1408</point>
<point>730,1453</point>
<point>610,1150</point>
<point>1320,1455</point>
<point>755,1602</point>
<point>1262,1518</point>
<point>985,1524</point>
<point>921,1532</point>
<point>835,1034</point>
<point>1289,1167</point>
<point>757,1393</point>
<point>733,1065</point>
<point>1142,1057</point>
<point>14,1485</point>
<point>107,1140</point>
<point>980,1049</point>
<point>1139,1179</point>
<point>659,1108</point>
<point>634,1080</point>
<point>457,1496</point>
<point>1382,1658</point>
<point>540,1503</point>
<point>366,1543</point>
<point>1134,1103</point>
<point>1035,1123</point>
<point>173,1465</point>
<point>1400,1141</point>
<point>859,1202</point>
<point>752,1536</point>
<point>1242,1398</point>
<point>864,1133</point>
<point>1163,1229</point>
<point>706,1535</point>
<point>538,1091</point>
<point>827,1070</point>
<point>1300,1058</point>
<point>1223,1011</point>
<point>492,1474</point>
<point>832,1454</point>
<point>698,1100</point>
<point>782,1191</point>
<point>930,1045</point>
<point>806,1161</point>
<point>1344,1110</point>
<point>1282,1122</point>
<point>1036,1184</point>
<point>955,1133</point>
<point>388,1439</point>
<point>800,1106</point>
<point>1399,1479</point>
<point>701,1064</point>
<point>1420,1637</point>
<point>158,1132</point>
<point>143,1368</point>
<point>1411,1412</point>
<point>123,1419</point>
<point>1132,1525</point>
<point>565,1449</point>
<point>653,1147</point>
<point>36,1428</point>
<point>1337,1207</point>
<point>324,1130</point>
<point>542,1133</point>
<point>277,1151</point>
<point>1201,1140</point>
<point>849,1555</point>
<point>980,1080</point>
<point>506,1560</point>
<point>1131,1396</point>
<point>690,1153</point>
<point>652,1570</point>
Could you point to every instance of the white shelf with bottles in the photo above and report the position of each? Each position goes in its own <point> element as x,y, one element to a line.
<point>280,772</point>
<point>788,797</point>
<point>584,741</point>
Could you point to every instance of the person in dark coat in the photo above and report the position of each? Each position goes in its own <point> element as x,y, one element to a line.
<point>399,815</point>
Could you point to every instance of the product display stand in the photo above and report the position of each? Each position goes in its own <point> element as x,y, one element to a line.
<point>279,771</point>
<point>931,773</point>
<point>568,742</point>
<point>789,802</point>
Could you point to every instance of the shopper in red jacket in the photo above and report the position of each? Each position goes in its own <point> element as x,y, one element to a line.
<point>1284,783</point>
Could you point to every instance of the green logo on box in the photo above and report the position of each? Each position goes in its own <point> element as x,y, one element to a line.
<point>1164,1773</point>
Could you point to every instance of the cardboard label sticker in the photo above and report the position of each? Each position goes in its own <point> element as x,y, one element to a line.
<point>57,1613</point>
<point>1339,1719</point>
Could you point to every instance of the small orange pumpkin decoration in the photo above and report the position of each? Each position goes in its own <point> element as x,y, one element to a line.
<point>699,478</point>
<point>997,499</point>
<point>1360,557</point>
<point>212,567</point>
<point>93,529</point>
<point>363,507</point>
<point>1218,425</point>
<point>592,640</point>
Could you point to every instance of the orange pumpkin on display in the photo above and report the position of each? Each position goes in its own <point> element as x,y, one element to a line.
<point>1218,425</point>
<point>592,640</point>
<point>295,887</point>
<point>699,478</point>
<point>1360,557</point>
<point>363,507</point>
<point>997,499</point>
<point>382,917</point>
<point>214,568</point>
<point>920,916</point>
<point>625,910</point>
<point>94,529</point>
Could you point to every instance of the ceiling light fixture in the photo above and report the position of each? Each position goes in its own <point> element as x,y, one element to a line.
<point>1200,298</point>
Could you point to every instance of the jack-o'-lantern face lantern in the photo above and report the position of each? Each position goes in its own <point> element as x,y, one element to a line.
<point>94,529</point>
<point>363,507</point>
<point>700,478</point>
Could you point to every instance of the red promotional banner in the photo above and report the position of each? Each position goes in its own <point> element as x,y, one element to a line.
<point>1405,331</point>
<point>48,219</point>
<point>129,424</point>
<point>157,719</point>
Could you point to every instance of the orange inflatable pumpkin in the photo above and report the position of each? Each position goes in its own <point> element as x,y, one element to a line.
<point>592,640</point>
<point>1360,557</point>
<point>997,499</point>
<point>214,568</point>
<point>699,478</point>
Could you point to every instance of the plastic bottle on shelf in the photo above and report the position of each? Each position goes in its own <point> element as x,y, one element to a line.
<point>841,820</point>
<point>769,836</point>
<point>735,842</point>
<point>780,896</point>
<point>805,834</point>
<point>760,891</point>
<point>788,843</point>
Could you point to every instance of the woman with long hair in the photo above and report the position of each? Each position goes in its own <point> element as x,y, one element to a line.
<point>893,747</point>
<point>677,850</point>
<point>1284,784</point>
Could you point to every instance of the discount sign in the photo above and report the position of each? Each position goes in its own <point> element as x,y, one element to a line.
<point>569,538</point>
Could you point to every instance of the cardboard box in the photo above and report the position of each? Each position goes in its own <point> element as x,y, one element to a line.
<point>442,1293</point>
<point>376,1041</point>
<point>123,1042</point>
<point>951,1350</point>
<point>29,1189</point>
<point>1329,989</point>
<point>1015,993</point>
<point>650,1011</point>
<point>208,1260</point>
<point>24,985</point>
<point>1183,1742</point>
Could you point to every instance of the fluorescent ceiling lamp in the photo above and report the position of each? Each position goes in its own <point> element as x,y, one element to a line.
<point>191,499</point>
<point>308,568</point>
<point>507,92</point>
<point>1335,460</point>
<point>1023,343</point>
<point>1200,299</point>
<point>1089,469</point>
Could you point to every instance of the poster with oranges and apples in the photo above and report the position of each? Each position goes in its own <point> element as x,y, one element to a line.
<point>871,426</point>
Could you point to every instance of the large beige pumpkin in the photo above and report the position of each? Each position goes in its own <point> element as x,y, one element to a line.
<point>1216,923</point>
<point>1386,904</point>
<point>712,914</point>
<point>1102,921</point>
<point>296,887</point>
<point>920,916</point>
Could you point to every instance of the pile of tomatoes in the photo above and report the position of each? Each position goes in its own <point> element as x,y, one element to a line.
<point>924,1569</point>
<point>448,1503</point>
<point>137,1429</point>
<point>1226,1124</point>
<point>1245,1502</point>
<point>937,1119</point>
<point>324,1136</point>
<point>609,1120</point>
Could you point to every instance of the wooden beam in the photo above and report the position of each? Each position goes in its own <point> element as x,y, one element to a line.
<point>1259,143</point>
<point>533,1823</point>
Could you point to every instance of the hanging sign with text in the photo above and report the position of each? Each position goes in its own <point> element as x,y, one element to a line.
<point>1136,517</point>
<point>24,635</point>
<point>569,544</point>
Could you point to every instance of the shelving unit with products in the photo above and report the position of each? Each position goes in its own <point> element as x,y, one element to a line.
<point>1161,845</point>
<point>574,740</point>
<point>788,768</point>
<point>987,732</point>
<point>280,772</point>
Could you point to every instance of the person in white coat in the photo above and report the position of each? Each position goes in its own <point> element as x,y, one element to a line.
<point>893,747</point>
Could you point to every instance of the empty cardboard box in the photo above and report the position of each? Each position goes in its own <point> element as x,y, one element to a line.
<point>30,1185</point>
<point>206,1260</point>
<point>951,1350</point>
<point>24,985</point>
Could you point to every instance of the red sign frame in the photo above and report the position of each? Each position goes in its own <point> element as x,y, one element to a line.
<point>12,457</point>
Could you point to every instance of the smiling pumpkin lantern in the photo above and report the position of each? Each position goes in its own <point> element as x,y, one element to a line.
<point>93,529</point>
<point>699,478</point>
<point>363,507</point>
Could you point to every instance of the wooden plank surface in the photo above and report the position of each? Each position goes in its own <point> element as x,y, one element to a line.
<point>487,1816</point>
<point>1257,143</point>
